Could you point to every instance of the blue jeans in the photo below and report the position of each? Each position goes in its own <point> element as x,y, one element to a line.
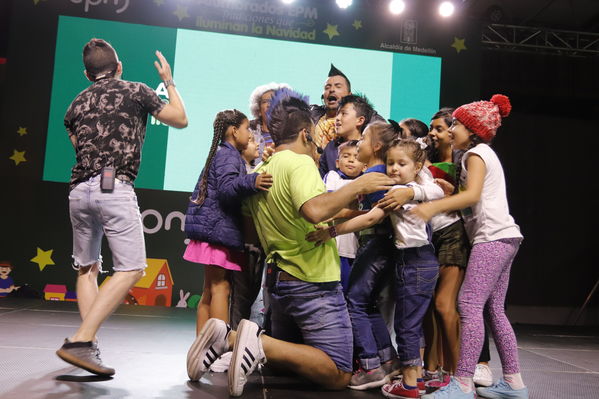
<point>416,273</point>
<point>115,215</point>
<point>314,314</point>
<point>370,271</point>
<point>345,271</point>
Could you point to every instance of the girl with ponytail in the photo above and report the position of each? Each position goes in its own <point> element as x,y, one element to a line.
<point>213,220</point>
<point>495,239</point>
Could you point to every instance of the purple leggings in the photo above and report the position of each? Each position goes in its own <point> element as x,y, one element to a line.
<point>484,288</point>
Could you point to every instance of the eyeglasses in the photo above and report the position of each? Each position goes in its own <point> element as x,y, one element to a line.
<point>319,149</point>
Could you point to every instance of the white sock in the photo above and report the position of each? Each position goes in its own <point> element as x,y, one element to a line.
<point>466,384</point>
<point>515,380</point>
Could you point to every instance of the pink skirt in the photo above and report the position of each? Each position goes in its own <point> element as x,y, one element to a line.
<point>215,255</point>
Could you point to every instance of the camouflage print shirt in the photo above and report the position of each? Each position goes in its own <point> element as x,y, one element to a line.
<point>108,123</point>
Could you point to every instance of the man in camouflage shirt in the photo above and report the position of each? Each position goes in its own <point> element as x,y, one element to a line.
<point>106,124</point>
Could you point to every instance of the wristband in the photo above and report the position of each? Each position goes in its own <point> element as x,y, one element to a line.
<point>168,83</point>
<point>332,231</point>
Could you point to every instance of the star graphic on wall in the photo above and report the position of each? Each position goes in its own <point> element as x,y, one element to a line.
<point>159,2</point>
<point>458,44</point>
<point>43,258</point>
<point>181,12</point>
<point>18,156</point>
<point>357,24</point>
<point>331,30</point>
<point>22,131</point>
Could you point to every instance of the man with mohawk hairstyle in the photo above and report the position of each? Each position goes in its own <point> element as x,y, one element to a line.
<point>310,325</point>
<point>336,87</point>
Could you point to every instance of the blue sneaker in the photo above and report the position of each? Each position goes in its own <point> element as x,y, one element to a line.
<point>450,391</point>
<point>502,390</point>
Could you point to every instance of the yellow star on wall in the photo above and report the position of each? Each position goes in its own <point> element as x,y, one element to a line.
<point>43,258</point>
<point>18,156</point>
<point>22,131</point>
<point>181,12</point>
<point>331,30</point>
<point>357,24</point>
<point>458,44</point>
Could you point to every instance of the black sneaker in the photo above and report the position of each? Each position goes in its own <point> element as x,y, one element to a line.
<point>85,355</point>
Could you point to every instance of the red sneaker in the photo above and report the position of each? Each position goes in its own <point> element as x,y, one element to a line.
<point>432,385</point>
<point>421,385</point>
<point>397,390</point>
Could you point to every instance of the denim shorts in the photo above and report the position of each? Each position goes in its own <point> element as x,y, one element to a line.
<point>313,314</point>
<point>115,215</point>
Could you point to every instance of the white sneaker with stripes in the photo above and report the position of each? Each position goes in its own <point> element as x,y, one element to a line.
<point>210,343</point>
<point>247,354</point>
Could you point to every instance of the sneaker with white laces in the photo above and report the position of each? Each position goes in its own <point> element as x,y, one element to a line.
<point>483,376</point>
<point>247,354</point>
<point>502,390</point>
<point>397,390</point>
<point>368,379</point>
<point>85,355</point>
<point>210,343</point>
<point>450,391</point>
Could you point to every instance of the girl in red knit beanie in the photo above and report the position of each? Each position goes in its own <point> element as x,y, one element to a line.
<point>495,239</point>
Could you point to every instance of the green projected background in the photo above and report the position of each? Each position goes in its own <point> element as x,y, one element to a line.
<point>215,71</point>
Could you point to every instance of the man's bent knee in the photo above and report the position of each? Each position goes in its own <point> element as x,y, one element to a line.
<point>338,381</point>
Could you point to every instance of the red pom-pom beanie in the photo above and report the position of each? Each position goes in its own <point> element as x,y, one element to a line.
<point>483,118</point>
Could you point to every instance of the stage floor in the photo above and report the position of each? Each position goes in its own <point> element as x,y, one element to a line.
<point>147,347</point>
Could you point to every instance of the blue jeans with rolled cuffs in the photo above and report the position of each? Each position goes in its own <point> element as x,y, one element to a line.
<point>314,314</point>
<point>371,270</point>
<point>95,214</point>
<point>416,274</point>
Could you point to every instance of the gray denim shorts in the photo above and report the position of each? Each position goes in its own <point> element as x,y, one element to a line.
<point>95,214</point>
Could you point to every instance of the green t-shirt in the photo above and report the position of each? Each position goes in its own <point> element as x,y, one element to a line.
<point>280,226</point>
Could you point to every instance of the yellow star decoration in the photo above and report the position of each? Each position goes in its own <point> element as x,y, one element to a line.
<point>357,24</point>
<point>18,156</point>
<point>43,258</point>
<point>458,44</point>
<point>159,2</point>
<point>331,30</point>
<point>181,12</point>
<point>22,131</point>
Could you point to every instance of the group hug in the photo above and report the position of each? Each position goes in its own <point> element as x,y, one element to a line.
<point>381,249</point>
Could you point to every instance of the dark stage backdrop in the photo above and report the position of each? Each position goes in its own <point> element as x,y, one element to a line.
<point>412,64</point>
<point>548,147</point>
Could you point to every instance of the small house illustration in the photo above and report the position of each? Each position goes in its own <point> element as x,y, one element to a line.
<point>55,292</point>
<point>155,288</point>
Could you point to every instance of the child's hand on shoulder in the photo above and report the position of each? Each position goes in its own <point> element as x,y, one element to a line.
<point>263,181</point>
<point>447,187</point>
<point>320,235</point>
<point>395,199</point>
<point>267,153</point>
